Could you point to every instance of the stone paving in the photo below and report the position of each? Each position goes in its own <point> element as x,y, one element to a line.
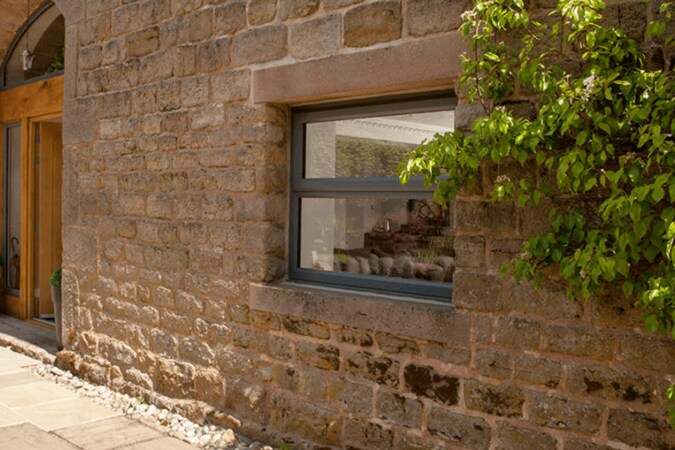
<point>39,414</point>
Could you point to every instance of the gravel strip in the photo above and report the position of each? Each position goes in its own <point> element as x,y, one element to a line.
<point>208,437</point>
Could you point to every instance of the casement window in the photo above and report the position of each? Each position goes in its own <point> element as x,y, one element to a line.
<point>353,225</point>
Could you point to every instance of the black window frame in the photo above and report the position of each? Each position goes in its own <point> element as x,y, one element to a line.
<point>363,187</point>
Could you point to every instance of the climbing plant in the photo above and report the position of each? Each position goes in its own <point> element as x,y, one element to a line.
<point>598,130</point>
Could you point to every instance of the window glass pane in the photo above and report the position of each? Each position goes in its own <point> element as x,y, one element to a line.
<point>12,207</point>
<point>404,238</point>
<point>45,38</point>
<point>368,147</point>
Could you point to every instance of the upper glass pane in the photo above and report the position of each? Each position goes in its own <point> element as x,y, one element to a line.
<point>45,38</point>
<point>368,147</point>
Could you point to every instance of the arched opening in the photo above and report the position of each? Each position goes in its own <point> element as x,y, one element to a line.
<point>43,35</point>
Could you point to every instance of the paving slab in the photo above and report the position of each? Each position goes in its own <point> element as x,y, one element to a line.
<point>165,443</point>
<point>18,378</point>
<point>108,434</point>
<point>29,437</point>
<point>26,395</point>
<point>9,417</point>
<point>65,413</point>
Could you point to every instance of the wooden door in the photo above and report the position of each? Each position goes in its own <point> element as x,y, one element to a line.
<point>47,213</point>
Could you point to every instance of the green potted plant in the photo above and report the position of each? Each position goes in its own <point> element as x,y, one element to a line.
<point>55,282</point>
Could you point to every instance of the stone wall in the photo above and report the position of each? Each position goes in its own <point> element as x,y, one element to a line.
<point>176,130</point>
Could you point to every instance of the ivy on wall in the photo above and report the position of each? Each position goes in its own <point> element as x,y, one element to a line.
<point>598,124</point>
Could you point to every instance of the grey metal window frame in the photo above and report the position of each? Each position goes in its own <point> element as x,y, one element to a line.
<point>366,187</point>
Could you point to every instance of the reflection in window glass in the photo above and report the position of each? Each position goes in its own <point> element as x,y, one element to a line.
<point>368,147</point>
<point>404,238</point>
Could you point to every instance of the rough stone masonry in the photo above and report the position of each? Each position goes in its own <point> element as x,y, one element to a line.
<point>176,165</point>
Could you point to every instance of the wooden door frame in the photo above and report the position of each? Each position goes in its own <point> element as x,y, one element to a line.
<point>28,104</point>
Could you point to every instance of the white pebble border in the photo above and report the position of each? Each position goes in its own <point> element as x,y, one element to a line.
<point>208,437</point>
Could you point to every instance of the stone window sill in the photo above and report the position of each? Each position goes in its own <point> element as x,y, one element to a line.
<point>419,319</point>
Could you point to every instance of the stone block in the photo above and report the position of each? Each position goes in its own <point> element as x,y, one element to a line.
<point>424,17</point>
<point>465,431</point>
<point>399,409</point>
<point>579,340</point>
<point>112,105</point>
<point>648,352</point>
<point>428,382</point>
<point>280,348</point>
<point>292,9</point>
<point>125,19</point>
<point>609,384</point>
<point>515,438</point>
<point>303,418</point>
<point>259,45</point>
<point>323,356</point>
<point>448,354</point>
<point>156,67</point>
<point>154,11</point>
<point>90,57</point>
<point>318,37</point>
<point>209,387</point>
<point>559,412</point>
<point>226,236</point>
<point>361,434</point>
<point>393,344</point>
<point>349,395</point>
<point>548,301</point>
<point>185,60</point>
<point>143,42</point>
<point>306,328</point>
<point>195,352</point>
<point>470,251</point>
<point>477,292</point>
<point>168,95</point>
<point>639,429</point>
<point>540,371</point>
<point>381,370</point>
<point>230,18</point>
<point>354,337</point>
<point>230,86</point>
<point>486,217</point>
<point>213,55</point>
<point>372,23</point>
<point>518,332</point>
<point>200,25</point>
<point>493,363</point>
<point>497,400</point>
<point>249,340</point>
<point>248,399</point>
<point>175,378</point>
<point>207,117</point>
<point>260,12</point>
<point>195,91</point>
<point>233,362</point>
<point>265,321</point>
<point>287,378</point>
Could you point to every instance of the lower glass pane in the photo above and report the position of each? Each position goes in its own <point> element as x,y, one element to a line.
<point>403,238</point>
